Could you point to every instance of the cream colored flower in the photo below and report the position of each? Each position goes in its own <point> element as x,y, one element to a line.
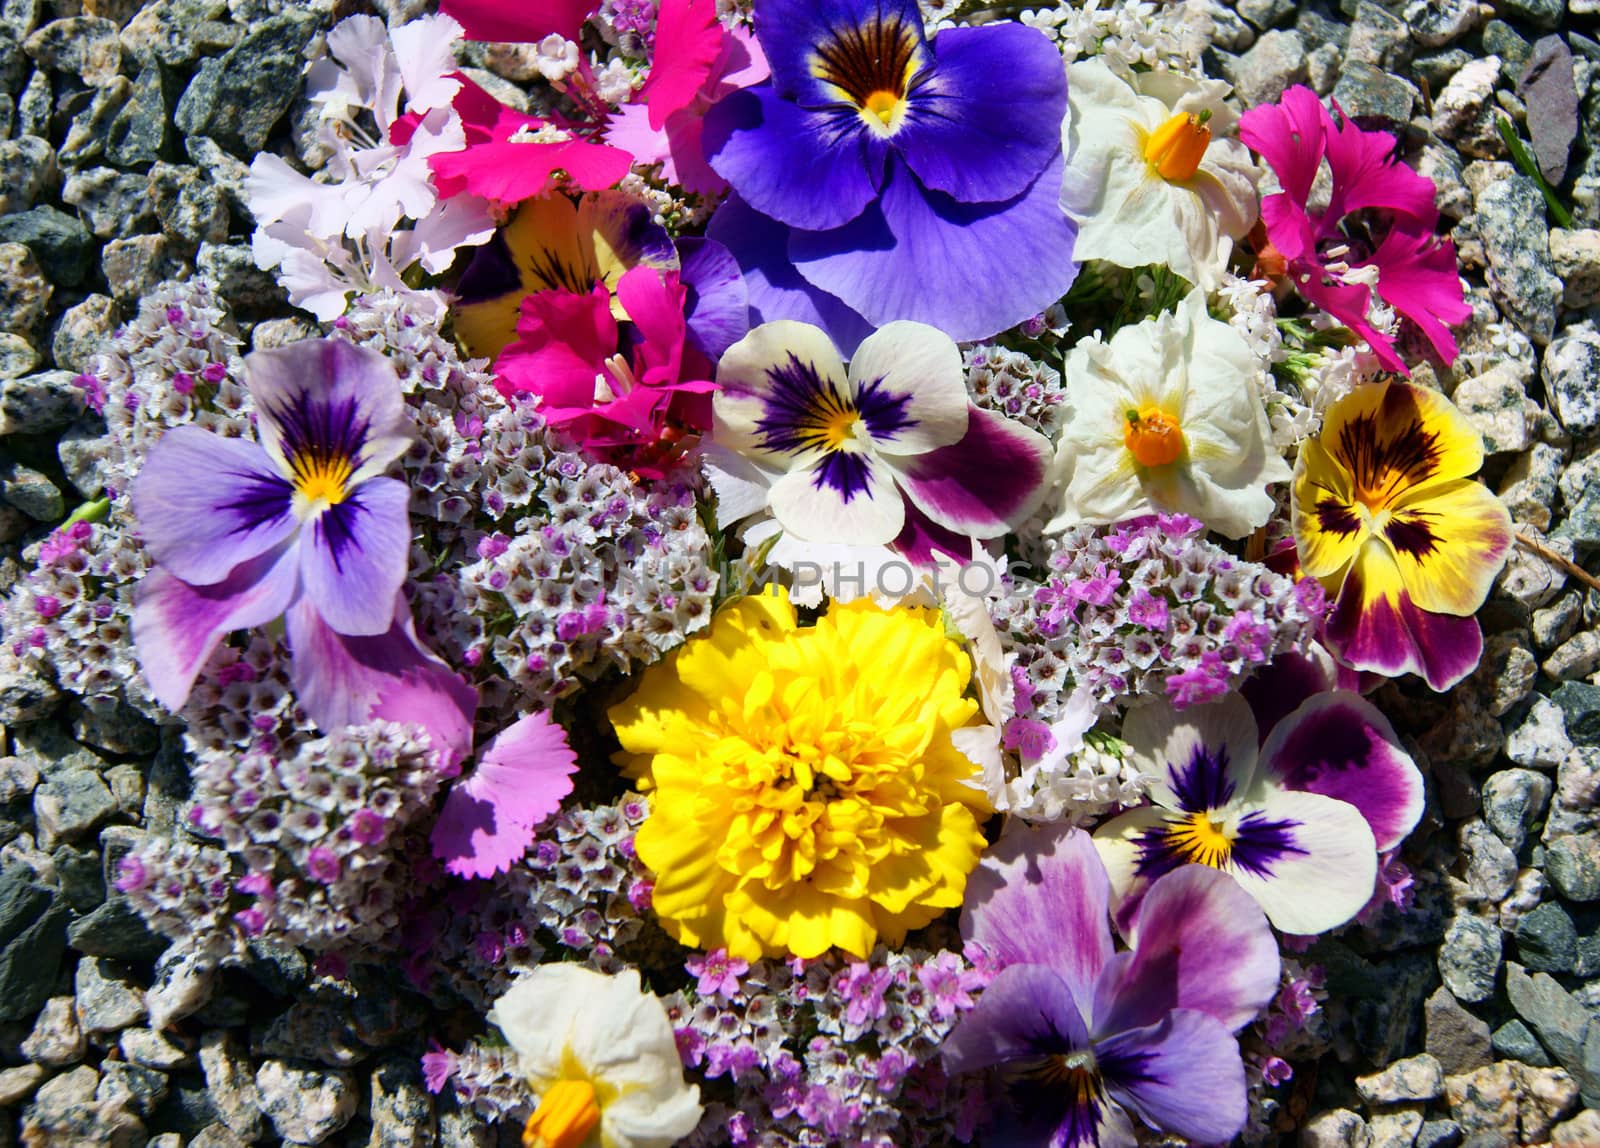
<point>600,1054</point>
<point>1164,419</point>
<point>1147,178</point>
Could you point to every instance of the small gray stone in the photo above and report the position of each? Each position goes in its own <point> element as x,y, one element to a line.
<point>189,206</point>
<point>91,126</point>
<point>1378,38</point>
<point>239,282</point>
<point>238,98</point>
<point>1276,61</point>
<point>1261,13</point>
<point>1491,866</point>
<point>1571,364</point>
<point>1555,1015</point>
<point>17,357</point>
<point>232,1085</point>
<point>18,779</point>
<point>1572,862</point>
<point>1549,89</point>
<point>134,267</point>
<point>38,404</point>
<point>1520,273</point>
<point>402,1110</point>
<point>112,203</point>
<point>1513,800</point>
<point>216,1136</point>
<point>141,134</point>
<point>27,168</point>
<point>17,1084</point>
<point>131,1086</point>
<point>70,804</point>
<point>107,1002</point>
<point>1439,1134</point>
<point>1554,624</point>
<point>82,46</point>
<point>226,171</point>
<point>24,291</point>
<point>1582,1131</point>
<point>65,1111</point>
<point>1529,488</point>
<point>115,929</point>
<point>1580,709</point>
<point>306,1105</point>
<point>1395,1127</point>
<point>1366,90</point>
<point>157,1050</point>
<point>1415,1078</point>
<point>1469,959</point>
<point>1502,40</point>
<point>1547,940</point>
<point>31,492</point>
<point>1515,1041</point>
<point>1434,23</point>
<point>1578,657</point>
<point>1336,1128</point>
<point>1464,112</point>
<point>78,873</point>
<point>1542,14</point>
<point>1496,406</point>
<point>56,1039</point>
<point>35,104</point>
<point>81,330</point>
<point>1575,256</point>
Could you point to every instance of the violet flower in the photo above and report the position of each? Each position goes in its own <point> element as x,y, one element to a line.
<point>1083,1036</point>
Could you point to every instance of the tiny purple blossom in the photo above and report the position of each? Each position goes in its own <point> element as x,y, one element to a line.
<point>1145,609</point>
<point>719,973</point>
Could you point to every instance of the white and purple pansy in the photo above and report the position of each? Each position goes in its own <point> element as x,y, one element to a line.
<point>1083,1036</point>
<point>1309,859</point>
<point>300,523</point>
<point>890,452</point>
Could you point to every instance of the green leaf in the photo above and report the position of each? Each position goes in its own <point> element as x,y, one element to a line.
<point>1559,215</point>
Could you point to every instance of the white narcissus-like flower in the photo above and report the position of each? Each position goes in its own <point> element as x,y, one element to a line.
<point>599,1052</point>
<point>1148,179</point>
<point>1164,419</point>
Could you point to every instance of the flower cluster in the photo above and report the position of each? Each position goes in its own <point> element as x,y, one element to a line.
<point>1016,386</point>
<point>1149,606</point>
<point>183,890</point>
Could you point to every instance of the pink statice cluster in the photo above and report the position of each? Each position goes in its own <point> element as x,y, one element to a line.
<point>1148,606</point>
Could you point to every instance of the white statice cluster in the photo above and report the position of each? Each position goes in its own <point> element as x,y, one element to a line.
<point>384,105</point>
<point>1153,35</point>
<point>1080,787</point>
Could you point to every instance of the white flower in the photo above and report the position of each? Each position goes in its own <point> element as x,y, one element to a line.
<point>600,1054</point>
<point>556,58</point>
<point>1145,179</point>
<point>1164,419</point>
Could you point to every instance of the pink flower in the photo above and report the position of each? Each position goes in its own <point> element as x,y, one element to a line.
<point>719,974</point>
<point>1377,230</point>
<point>520,21</point>
<point>697,62</point>
<point>630,409</point>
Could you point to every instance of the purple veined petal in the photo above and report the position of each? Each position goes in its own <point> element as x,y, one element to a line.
<point>972,270</point>
<point>779,390</point>
<point>330,413</point>
<point>1199,942</point>
<point>1391,636</point>
<point>846,496</point>
<point>1309,861</point>
<point>921,540</point>
<point>392,676</point>
<point>977,140</point>
<point>488,819</point>
<point>206,503</point>
<point>355,556</point>
<point>1183,1076</point>
<point>1040,897</point>
<point>1118,842</point>
<point>176,626</point>
<point>984,484</point>
<point>1204,756</point>
<point>1339,745</point>
<point>911,389</point>
<point>802,167</point>
<point>1277,690</point>
<point>777,290</point>
<point>1026,1012</point>
<point>791,31</point>
<point>718,307</point>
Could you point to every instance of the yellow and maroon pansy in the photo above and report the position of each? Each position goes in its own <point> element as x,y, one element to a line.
<point>1388,518</point>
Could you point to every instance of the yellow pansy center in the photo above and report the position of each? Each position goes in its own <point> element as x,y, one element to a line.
<point>1201,839</point>
<point>567,1113</point>
<point>1153,436</point>
<point>1176,148</point>
<point>871,66</point>
<point>321,479</point>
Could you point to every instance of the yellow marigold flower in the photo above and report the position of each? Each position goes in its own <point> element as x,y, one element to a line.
<point>1387,516</point>
<point>805,790</point>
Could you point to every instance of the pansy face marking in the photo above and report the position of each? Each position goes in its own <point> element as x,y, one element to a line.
<point>872,67</point>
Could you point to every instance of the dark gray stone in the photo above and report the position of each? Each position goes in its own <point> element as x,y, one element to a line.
<point>136,1087</point>
<point>1571,364</point>
<point>1580,706</point>
<point>142,133</point>
<point>1366,90</point>
<point>1542,14</point>
<point>107,1000</point>
<point>115,930</point>
<point>79,875</point>
<point>1514,800</point>
<point>1555,1015</point>
<point>70,804</point>
<point>33,926</point>
<point>238,98</point>
<point>59,242</point>
<point>1456,1038</point>
<point>1547,940</point>
<point>113,203</point>
<point>1515,1041</point>
<point>31,492</point>
<point>1549,89</point>
<point>1439,1134</point>
<point>1501,39</point>
<point>1521,276</point>
<point>1572,863</point>
<point>39,404</point>
<point>27,170</point>
<point>91,126</point>
<point>242,285</point>
<point>191,209</point>
<point>84,47</point>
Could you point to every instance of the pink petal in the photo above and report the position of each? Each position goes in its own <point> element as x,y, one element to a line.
<point>689,44</point>
<point>489,819</point>
<point>519,21</point>
<point>654,301</point>
<point>1417,276</point>
<point>1366,174</point>
<point>563,341</point>
<point>1291,136</point>
<point>508,173</point>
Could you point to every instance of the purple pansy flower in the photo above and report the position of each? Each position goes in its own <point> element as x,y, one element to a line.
<point>302,524</point>
<point>1308,858</point>
<point>908,178</point>
<point>883,454</point>
<point>1082,1035</point>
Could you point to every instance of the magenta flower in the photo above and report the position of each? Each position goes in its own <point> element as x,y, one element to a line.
<point>1376,232</point>
<point>1084,1036</point>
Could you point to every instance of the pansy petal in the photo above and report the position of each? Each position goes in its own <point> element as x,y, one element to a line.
<point>910,388</point>
<point>791,163</point>
<point>1027,1011</point>
<point>1290,680</point>
<point>718,310</point>
<point>1199,942</point>
<point>777,289</point>
<point>844,497</point>
<point>323,404</point>
<point>960,111</point>
<point>176,626</point>
<point>921,540</point>
<point>977,268</point>
<point>1309,861</point>
<point>779,389</point>
<point>206,503</point>
<point>1118,842</point>
<point>1375,625</point>
<point>488,819</point>
<point>791,32</point>
<point>986,483</point>
<point>391,676</point>
<point>1339,744</point>
<point>1450,541</point>
<point>1183,1076</point>
<point>1393,437</point>
<point>356,556</point>
<point>1328,526</point>
<point>1203,757</point>
<point>1040,897</point>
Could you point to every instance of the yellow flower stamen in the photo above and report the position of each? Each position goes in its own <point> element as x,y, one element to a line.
<point>1200,840</point>
<point>567,1113</point>
<point>1153,437</point>
<point>883,105</point>
<point>1176,148</point>
<point>321,480</point>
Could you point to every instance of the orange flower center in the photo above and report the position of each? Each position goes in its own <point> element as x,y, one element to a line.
<point>1153,437</point>
<point>1176,148</point>
<point>567,1113</point>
